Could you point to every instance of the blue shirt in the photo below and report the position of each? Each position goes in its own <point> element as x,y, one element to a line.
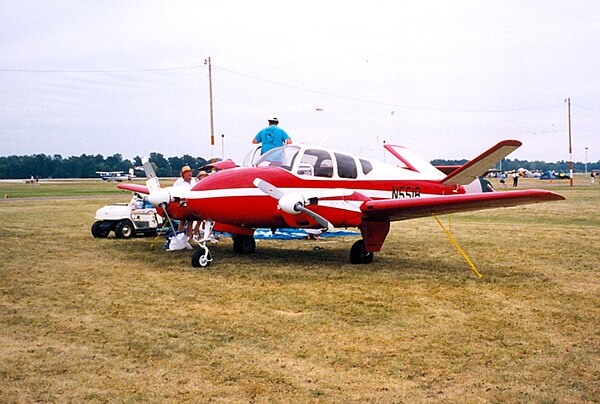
<point>271,137</point>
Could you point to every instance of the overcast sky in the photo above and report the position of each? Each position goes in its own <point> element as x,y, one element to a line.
<point>447,79</point>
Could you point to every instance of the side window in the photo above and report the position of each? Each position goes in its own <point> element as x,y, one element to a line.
<point>346,166</point>
<point>366,166</point>
<point>321,162</point>
<point>307,164</point>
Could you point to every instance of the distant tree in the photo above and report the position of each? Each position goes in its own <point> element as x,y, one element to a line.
<point>85,166</point>
<point>163,168</point>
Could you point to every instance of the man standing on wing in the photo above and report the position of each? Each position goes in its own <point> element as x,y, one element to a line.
<point>272,136</point>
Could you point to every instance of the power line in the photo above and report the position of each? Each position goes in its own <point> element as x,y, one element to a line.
<point>582,107</point>
<point>281,84</point>
<point>402,106</point>
<point>156,69</point>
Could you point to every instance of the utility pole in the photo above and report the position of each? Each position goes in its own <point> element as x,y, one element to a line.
<point>570,148</point>
<point>212,124</point>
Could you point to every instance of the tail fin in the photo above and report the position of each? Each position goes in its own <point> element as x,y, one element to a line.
<point>480,164</point>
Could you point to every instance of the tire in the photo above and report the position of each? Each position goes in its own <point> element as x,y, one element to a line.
<point>244,244</point>
<point>100,229</point>
<point>124,229</point>
<point>199,260</point>
<point>358,254</point>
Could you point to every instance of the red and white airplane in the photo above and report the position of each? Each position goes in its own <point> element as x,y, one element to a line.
<point>301,186</point>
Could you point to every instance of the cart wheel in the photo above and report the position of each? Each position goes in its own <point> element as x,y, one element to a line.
<point>100,229</point>
<point>124,229</point>
<point>201,260</point>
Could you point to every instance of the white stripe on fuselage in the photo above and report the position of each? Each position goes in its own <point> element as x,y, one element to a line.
<point>309,192</point>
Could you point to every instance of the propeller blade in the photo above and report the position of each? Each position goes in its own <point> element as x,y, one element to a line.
<point>148,169</point>
<point>157,196</point>
<point>268,189</point>
<point>298,205</point>
<point>152,182</point>
<point>316,217</point>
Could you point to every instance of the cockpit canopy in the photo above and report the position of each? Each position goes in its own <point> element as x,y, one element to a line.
<point>315,162</point>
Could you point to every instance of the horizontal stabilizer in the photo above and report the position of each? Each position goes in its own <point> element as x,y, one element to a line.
<point>481,164</point>
<point>402,209</point>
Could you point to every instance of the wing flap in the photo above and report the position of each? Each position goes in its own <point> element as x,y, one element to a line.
<point>402,209</point>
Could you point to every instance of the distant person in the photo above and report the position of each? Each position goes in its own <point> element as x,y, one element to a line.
<point>201,175</point>
<point>502,180</point>
<point>592,178</point>
<point>185,180</point>
<point>272,136</point>
<point>515,179</point>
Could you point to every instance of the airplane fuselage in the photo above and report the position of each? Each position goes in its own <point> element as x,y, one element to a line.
<point>230,196</point>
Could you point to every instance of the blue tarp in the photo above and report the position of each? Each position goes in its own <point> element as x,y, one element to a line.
<point>290,234</point>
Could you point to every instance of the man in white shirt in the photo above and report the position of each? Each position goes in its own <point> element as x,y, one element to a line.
<point>186,179</point>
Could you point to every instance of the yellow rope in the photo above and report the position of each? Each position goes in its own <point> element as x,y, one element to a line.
<point>460,250</point>
<point>156,238</point>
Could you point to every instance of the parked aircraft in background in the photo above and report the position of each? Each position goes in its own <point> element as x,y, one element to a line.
<point>301,186</point>
<point>117,176</point>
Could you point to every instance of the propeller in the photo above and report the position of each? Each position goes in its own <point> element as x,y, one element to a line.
<point>293,202</point>
<point>156,196</point>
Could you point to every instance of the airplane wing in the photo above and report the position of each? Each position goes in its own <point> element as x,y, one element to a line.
<point>402,209</point>
<point>140,189</point>
<point>481,164</point>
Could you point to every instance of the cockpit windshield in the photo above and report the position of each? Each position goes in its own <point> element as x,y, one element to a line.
<point>279,157</point>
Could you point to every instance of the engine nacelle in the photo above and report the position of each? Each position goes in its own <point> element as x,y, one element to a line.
<point>159,197</point>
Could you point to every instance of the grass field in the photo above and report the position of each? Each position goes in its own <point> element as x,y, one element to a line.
<point>84,319</point>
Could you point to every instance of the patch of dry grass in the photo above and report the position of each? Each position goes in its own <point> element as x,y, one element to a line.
<point>85,319</point>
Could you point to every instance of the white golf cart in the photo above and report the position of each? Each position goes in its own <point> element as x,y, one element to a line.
<point>138,217</point>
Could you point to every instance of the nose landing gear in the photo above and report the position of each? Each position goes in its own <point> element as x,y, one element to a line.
<point>202,257</point>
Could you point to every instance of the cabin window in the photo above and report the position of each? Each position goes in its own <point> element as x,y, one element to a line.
<point>346,166</point>
<point>366,166</point>
<point>319,161</point>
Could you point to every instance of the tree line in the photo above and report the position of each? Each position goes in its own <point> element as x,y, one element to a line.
<point>85,166</point>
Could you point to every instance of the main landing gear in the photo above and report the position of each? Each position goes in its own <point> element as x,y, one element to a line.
<point>243,244</point>
<point>359,255</point>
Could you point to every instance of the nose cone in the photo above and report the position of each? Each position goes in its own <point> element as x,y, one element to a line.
<point>159,197</point>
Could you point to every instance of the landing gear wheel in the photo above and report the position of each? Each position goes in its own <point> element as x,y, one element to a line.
<point>244,244</point>
<point>100,229</point>
<point>358,254</point>
<point>124,229</point>
<point>201,258</point>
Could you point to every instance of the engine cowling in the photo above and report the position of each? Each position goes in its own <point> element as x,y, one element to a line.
<point>159,197</point>
<point>288,203</point>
